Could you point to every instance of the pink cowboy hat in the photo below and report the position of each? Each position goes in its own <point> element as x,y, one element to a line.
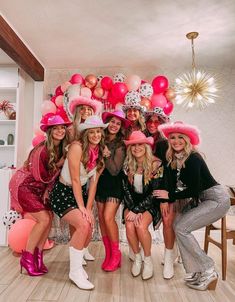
<point>81,100</point>
<point>118,114</point>
<point>93,121</point>
<point>52,121</point>
<point>179,127</point>
<point>138,137</point>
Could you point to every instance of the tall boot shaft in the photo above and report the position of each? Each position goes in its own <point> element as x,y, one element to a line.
<point>168,270</point>
<point>107,248</point>
<point>27,262</point>
<point>38,259</point>
<point>115,259</point>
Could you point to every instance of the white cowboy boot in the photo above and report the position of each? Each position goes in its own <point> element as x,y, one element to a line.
<point>136,266</point>
<point>176,255</point>
<point>76,273</point>
<point>148,268</point>
<point>168,270</point>
<point>87,255</point>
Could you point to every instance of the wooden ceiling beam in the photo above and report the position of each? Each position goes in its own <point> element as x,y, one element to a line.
<point>16,49</point>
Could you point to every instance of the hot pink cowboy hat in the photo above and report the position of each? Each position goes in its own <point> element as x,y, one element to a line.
<point>118,114</point>
<point>81,100</point>
<point>179,127</point>
<point>93,121</point>
<point>138,137</point>
<point>52,121</point>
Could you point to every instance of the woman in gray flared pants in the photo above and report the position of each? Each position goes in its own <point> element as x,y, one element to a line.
<point>199,201</point>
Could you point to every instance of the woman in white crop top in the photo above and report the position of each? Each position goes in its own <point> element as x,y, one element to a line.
<point>70,198</point>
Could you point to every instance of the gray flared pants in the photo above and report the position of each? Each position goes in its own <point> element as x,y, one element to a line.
<point>214,204</point>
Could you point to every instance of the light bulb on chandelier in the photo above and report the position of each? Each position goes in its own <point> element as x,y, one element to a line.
<point>196,88</point>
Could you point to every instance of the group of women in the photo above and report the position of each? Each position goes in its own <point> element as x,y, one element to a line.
<point>132,157</point>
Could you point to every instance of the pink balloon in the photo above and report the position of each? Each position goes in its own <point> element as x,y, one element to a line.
<point>65,86</point>
<point>48,107</point>
<point>37,140</point>
<point>59,101</point>
<point>158,100</point>
<point>119,90</point>
<point>19,233</point>
<point>106,83</point>
<point>86,92</point>
<point>160,84</point>
<point>53,98</point>
<point>76,79</point>
<point>58,91</point>
<point>133,82</point>
<point>118,106</point>
<point>168,108</point>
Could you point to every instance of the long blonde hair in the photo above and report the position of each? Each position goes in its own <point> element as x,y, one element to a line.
<point>170,153</point>
<point>83,138</point>
<point>130,164</point>
<point>77,120</point>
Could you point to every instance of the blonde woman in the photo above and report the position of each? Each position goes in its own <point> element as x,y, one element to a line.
<point>199,199</point>
<point>140,210</point>
<point>30,186</point>
<point>70,199</point>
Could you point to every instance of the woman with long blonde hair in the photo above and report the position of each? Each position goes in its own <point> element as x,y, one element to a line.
<point>198,199</point>
<point>140,208</point>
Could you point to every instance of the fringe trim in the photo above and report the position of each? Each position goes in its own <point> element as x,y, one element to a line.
<point>109,199</point>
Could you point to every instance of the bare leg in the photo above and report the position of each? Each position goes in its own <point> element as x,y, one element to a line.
<point>143,233</point>
<point>168,231</point>
<point>101,207</point>
<point>131,235</point>
<point>110,222</point>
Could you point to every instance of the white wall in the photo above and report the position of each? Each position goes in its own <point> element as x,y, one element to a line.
<point>217,122</point>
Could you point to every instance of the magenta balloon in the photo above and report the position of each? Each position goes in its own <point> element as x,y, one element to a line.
<point>58,91</point>
<point>119,90</point>
<point>160,84</point>
<point>76,79</point>
<point>37,140</point>
<point>168,108</point>
<point>158,100</point>
<point>106,83</point>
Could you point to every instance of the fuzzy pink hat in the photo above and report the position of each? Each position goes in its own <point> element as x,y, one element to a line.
<point>81,100</point>
<point>179,127</point>
<point>52,121</point>
<point>118,114</point>
<point>138,137</point>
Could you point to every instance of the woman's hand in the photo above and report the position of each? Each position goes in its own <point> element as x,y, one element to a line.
<point>91,218</point>
<point>138,219</point>
<point>85,213</point>
<point>106,152</point>
<point>45,197</point>
<point>161,194</point>
<point>165,209</point>
<point>131,216</point>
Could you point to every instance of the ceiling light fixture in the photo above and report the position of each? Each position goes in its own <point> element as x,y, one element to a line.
<point>196,88</point>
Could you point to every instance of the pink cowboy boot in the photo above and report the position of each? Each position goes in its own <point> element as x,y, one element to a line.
<point>38,259</point>
<point>107,248</point>
<point>115,260</point>
<point>27,262</point>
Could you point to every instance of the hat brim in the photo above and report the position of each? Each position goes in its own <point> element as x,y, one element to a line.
<point>44,128</point>
<point>106,115</point>
<point>191,131</point>
<point>79,101</point>
<point>140,108</point>
<point>85,126</point>
<point>147,140</point>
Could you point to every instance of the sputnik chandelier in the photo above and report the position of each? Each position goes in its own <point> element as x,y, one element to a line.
<point>196,88</point>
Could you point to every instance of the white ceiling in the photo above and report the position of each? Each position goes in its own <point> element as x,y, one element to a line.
<point>127,33</point>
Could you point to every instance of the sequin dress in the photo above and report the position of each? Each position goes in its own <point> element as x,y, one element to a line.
<point>28,185</point>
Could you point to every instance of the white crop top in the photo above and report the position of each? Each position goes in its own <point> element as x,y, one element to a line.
<point>138,185</point>
<point>84,175</point>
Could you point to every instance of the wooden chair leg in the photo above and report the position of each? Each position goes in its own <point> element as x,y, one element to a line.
<point>224,248</point>
<point>206,241</point>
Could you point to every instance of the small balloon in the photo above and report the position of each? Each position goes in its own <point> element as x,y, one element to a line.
<point>168,108</point>
<point>58,91</point>
<point>65,86</point>
<point>119,90</point>
<point>170,94</point>
<point>76,79</point>
<point>160,84</point>
<point>158,100</point>
<point>86,92</point>
<point>48,107</point>
<point>98,92</point>
<point>146,103</point>
<point>133,82</point>
<point>90,81</point>
<point>106,83</point>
